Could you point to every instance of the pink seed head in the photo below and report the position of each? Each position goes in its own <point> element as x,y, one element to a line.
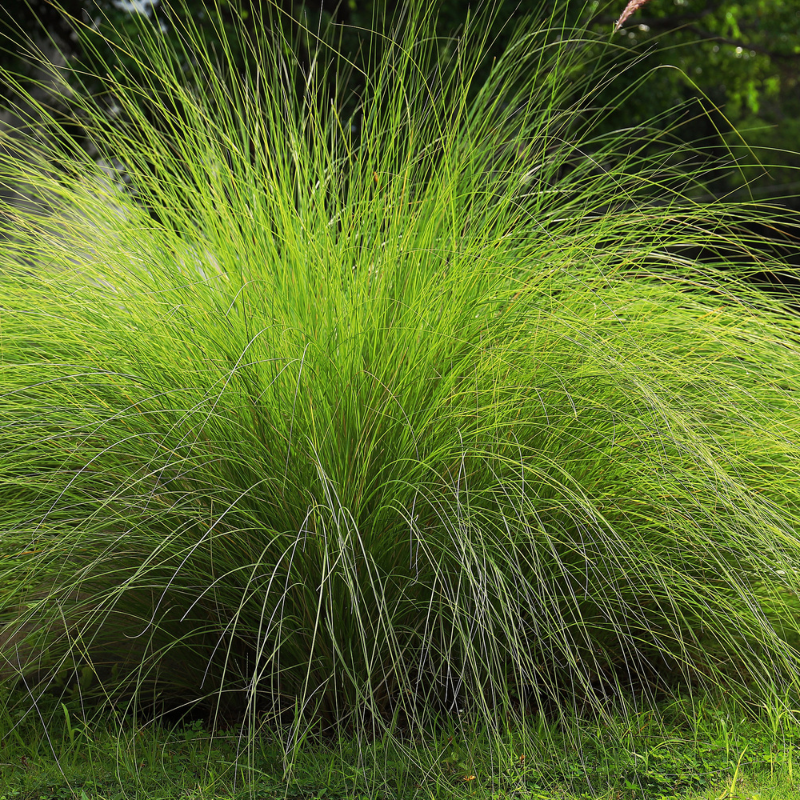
<point>630,9</point>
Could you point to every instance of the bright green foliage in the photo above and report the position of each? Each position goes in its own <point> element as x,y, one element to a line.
<point>742,57</point>
<point>360,425</point>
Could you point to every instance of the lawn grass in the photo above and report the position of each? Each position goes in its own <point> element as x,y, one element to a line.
<point>399,429</point>
<point>692,750</point>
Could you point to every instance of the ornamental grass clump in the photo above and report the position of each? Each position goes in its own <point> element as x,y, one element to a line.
<point>358,409</point>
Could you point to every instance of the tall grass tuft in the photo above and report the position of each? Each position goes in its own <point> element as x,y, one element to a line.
<point>359,410</point>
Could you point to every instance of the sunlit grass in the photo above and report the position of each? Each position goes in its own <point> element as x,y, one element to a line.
<point>446,410</point>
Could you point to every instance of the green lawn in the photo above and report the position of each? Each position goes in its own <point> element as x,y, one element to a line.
<point>689,751</point>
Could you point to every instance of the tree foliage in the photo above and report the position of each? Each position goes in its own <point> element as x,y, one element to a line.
<point>741,58</point>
